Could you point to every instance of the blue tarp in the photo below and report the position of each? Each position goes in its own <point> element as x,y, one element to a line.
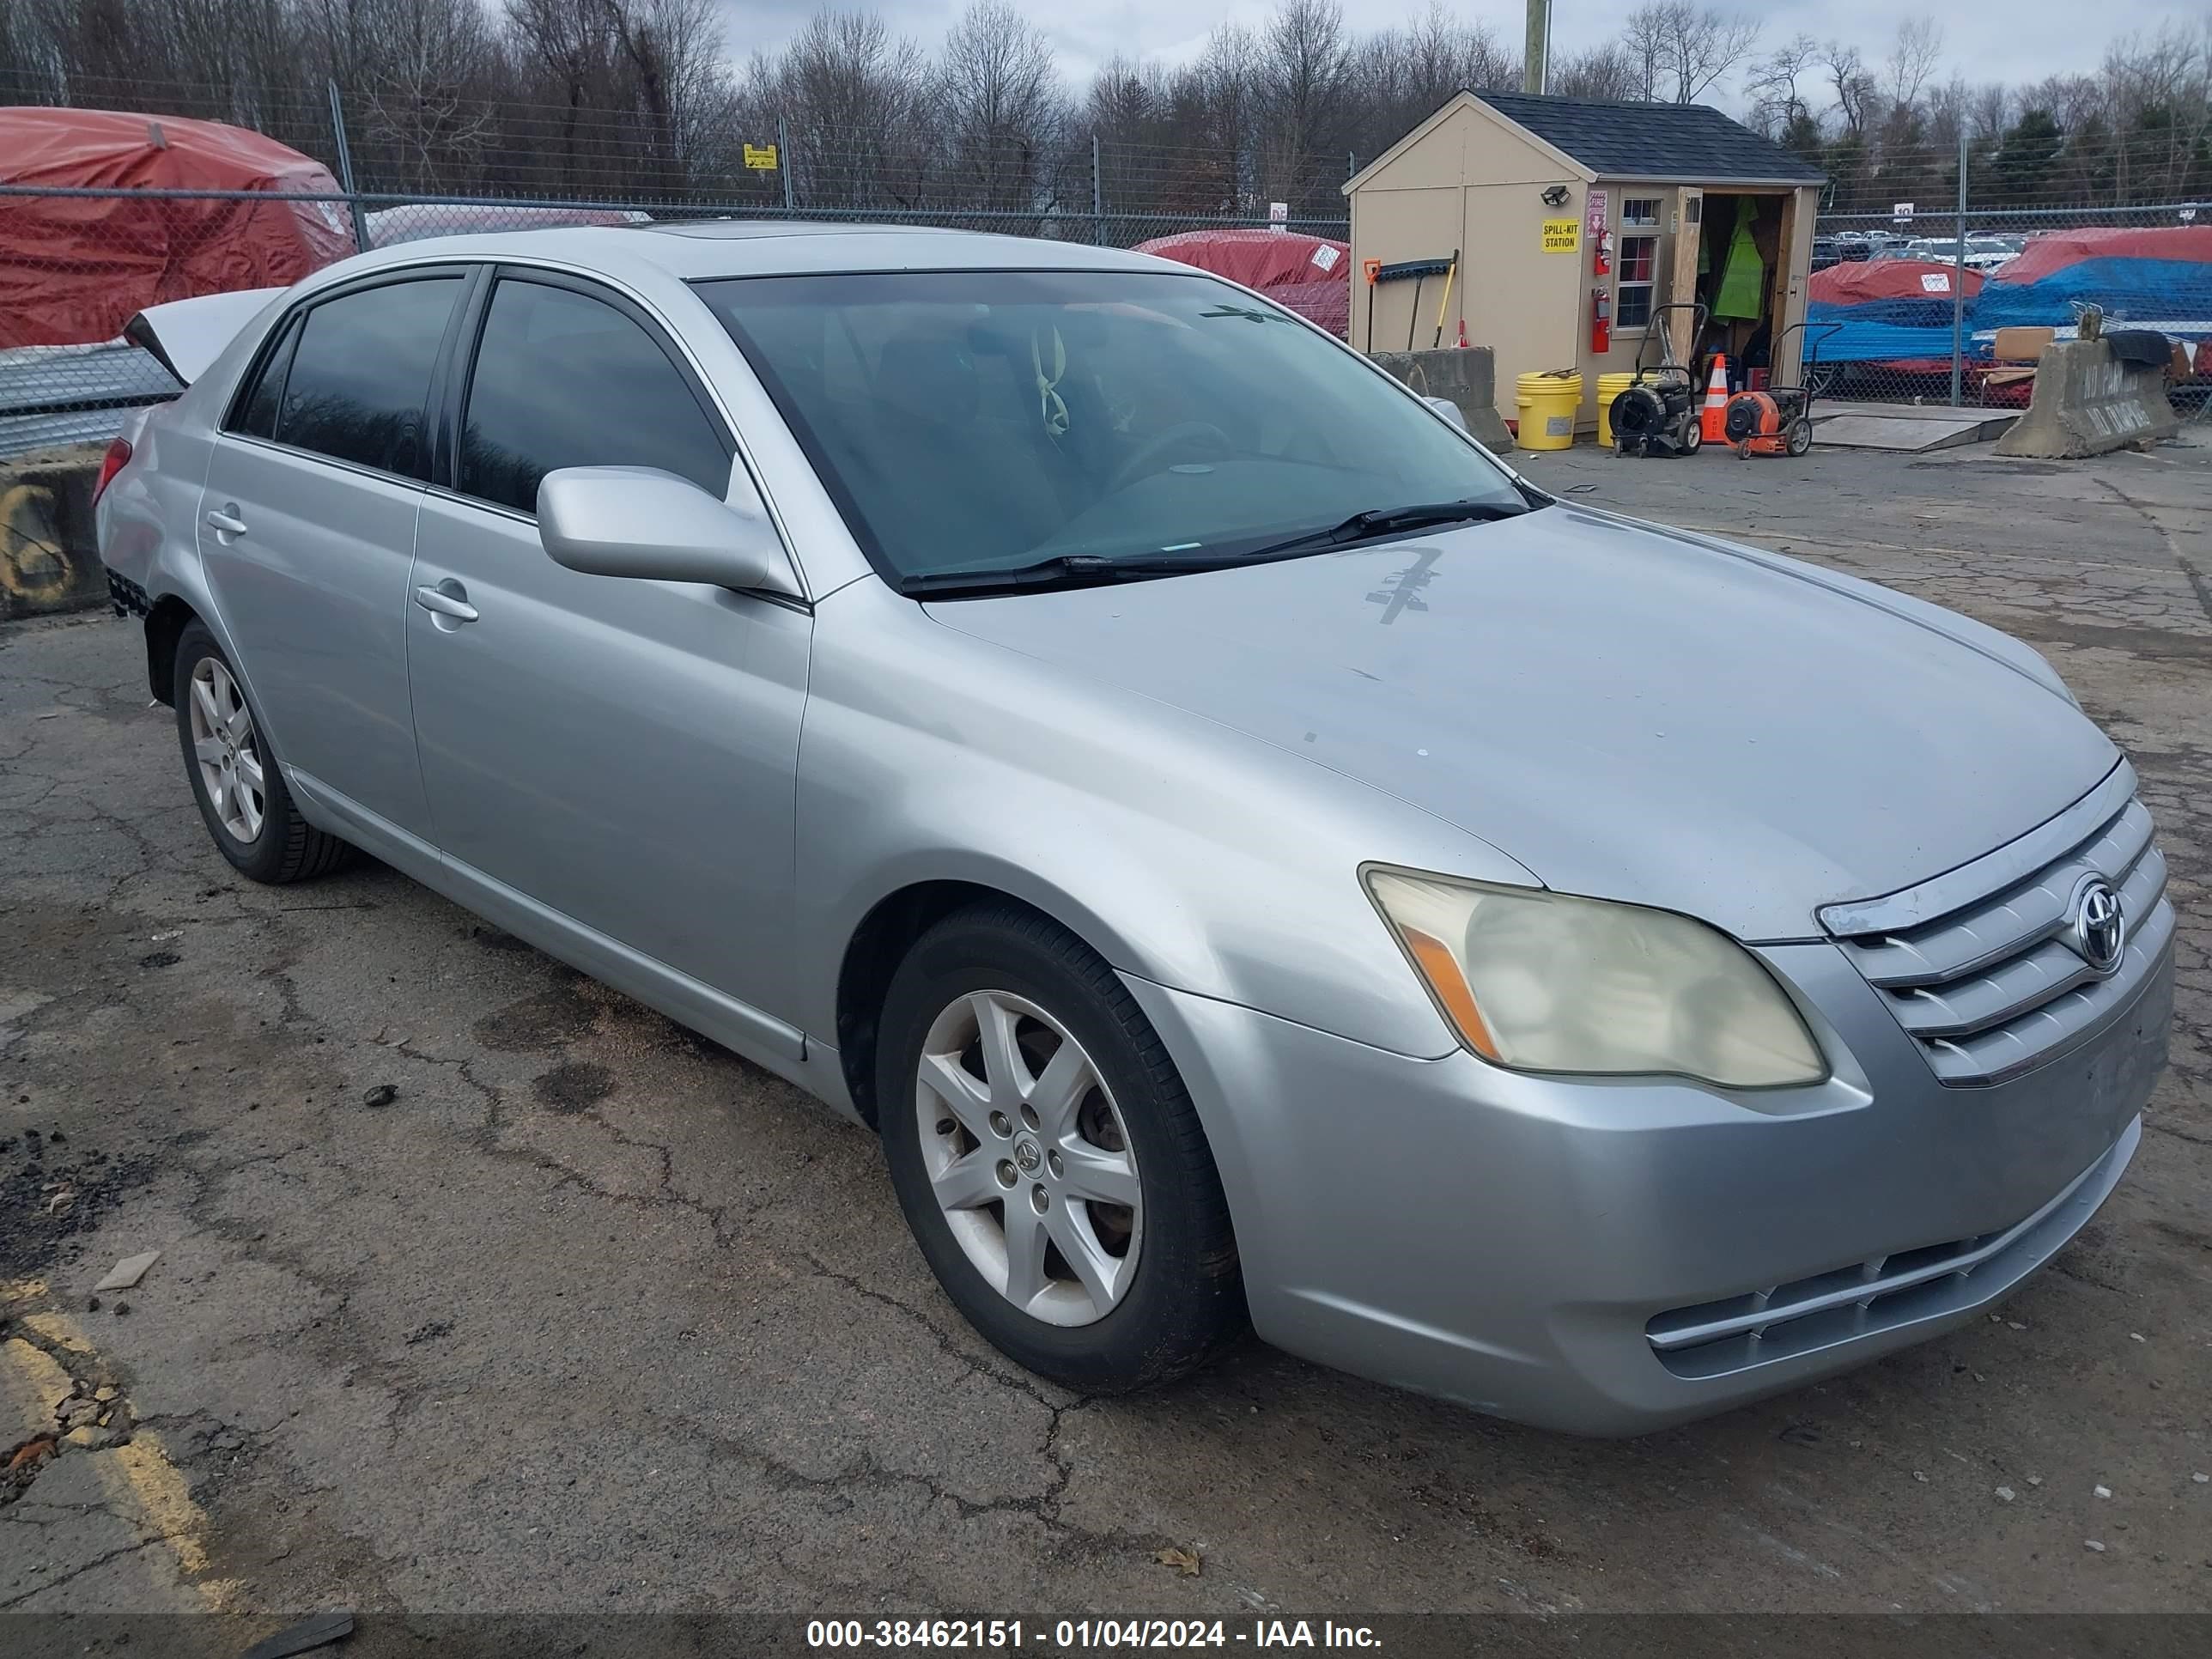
<point>2148,290</point>
<point>1856,341</point>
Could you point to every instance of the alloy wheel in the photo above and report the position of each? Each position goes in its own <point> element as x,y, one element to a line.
<point>230,757</point>
<point>1028,1157</point>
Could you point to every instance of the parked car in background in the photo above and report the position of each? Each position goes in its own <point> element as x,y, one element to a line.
<point>1982,253</point>
<point>1081,720</point>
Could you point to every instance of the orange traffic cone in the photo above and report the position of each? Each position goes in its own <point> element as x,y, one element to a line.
<point>1712,421</point>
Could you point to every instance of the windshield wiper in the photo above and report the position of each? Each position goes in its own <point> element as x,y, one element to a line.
<point>1090,569</point>
<point>1063,570</point>
<point>1392,521</point>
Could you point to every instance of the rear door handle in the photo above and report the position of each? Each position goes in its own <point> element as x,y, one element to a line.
<point>448,599</point>
<point>226,519</point>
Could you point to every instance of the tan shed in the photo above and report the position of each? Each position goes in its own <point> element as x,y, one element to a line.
<point>1559,208</point>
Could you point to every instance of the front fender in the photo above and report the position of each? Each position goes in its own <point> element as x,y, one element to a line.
<point>1183,852</point>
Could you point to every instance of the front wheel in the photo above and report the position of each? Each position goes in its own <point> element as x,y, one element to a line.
<point>1048,1158</point>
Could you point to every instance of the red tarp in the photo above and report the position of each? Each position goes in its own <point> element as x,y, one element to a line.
<point>1310,274</point>
<point>2056,250</point>
<point>73,268</point>
<point>1857,282</point>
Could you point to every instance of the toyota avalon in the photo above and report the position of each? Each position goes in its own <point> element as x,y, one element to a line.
<point>1253,860</point>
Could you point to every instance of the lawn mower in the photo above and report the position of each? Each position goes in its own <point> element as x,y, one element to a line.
<point>1779,420</point>
<point>1657,413</point>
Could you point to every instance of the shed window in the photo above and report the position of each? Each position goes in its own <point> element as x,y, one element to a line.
<point>1633,287</point>
<point>1640,210</point>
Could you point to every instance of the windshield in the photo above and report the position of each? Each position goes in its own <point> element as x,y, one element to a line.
<point>987,420</point>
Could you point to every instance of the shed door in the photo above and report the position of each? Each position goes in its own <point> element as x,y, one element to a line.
<point>1689,236</point>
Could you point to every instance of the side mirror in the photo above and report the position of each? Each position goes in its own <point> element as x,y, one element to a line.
<point>639,521</point>
<point>1448,410</point>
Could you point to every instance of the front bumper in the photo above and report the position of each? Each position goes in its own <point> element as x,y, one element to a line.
<point>1583,1255</point>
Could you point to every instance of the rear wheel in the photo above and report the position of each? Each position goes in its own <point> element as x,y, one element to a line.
<point>1049,1159</point>
<point>1800,436</point>
<point>1694,436</point>
<point>235,779</point>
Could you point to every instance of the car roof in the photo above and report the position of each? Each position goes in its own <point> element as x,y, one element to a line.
<point>699,249</point>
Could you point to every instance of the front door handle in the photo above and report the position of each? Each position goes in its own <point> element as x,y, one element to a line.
<point>448,599</point>
<point>225,520</point>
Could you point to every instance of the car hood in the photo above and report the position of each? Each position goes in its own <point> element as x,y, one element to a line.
<point>1628,712</point>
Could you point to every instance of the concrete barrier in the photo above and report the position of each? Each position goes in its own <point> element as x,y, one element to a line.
<point>2088,402</point>
<point>1467,375</point>
<point>48,558</point>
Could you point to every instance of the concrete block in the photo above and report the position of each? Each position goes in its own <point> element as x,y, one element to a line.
<point>48,558</point>
<point>2088,402</point>
<point>1467,375</point>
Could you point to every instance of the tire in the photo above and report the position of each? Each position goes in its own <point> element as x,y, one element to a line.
<point>1173,1300</point>
<point>275,844</point>
<point>1693,438</point>
<point>1800,440</point>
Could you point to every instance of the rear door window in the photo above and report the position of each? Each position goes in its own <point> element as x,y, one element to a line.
<point>360,378</point>
<point>565,379</point>
<point>257,410</point>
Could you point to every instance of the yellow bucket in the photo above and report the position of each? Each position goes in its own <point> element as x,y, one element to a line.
<point>1548,404</point>
<point>1609,386</point>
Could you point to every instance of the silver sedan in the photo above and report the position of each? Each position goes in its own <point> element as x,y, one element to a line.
<point>1253,859</point>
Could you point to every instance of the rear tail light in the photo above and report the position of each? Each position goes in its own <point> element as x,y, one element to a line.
<point>118,456</point>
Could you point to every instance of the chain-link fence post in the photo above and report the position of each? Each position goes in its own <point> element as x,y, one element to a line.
<point>1097,194</point>
<point>783,163</point>
<point>1959,278</point>
<point>345,167</point>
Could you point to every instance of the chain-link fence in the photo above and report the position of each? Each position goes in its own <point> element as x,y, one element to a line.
<point>1947,294</point>
<point>377,168</point>
<point>1901,307</point>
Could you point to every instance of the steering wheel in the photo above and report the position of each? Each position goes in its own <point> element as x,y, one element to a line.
<point>1154,452</point>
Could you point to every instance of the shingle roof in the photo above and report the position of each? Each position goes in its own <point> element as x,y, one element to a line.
<point>1687,141</point>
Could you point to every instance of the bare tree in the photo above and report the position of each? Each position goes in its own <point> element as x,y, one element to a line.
<point>1301,80</point>
<point>1001,100</point>
<point>1644,42</point>
<point>1603,72</point>
<point>1777,85</point>
<point>855,97</point>
<point>1913,57</point>
<point>1678,50</point>
<point>1851,86</point>
<point>1401,76</point>
<point>422,103</point>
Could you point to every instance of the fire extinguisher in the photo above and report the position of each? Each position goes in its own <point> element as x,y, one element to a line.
<point>1601,321</point>
<point>1602,254</point>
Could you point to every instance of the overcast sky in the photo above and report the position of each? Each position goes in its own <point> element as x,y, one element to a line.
<point>2011,40</point>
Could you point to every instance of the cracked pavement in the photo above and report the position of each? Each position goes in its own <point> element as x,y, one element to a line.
<point>593,1316</point>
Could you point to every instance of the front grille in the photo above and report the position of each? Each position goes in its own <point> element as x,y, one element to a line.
<point>1977,964</point>
<point>1880,1293</point>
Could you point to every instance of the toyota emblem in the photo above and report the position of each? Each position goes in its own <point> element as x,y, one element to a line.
<point>2100,928</point>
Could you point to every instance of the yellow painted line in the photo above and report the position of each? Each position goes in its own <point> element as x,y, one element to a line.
<point>162,1495</point>
<point>31,1380</point>
<point>143,1486</point>
<point>60,1331</point>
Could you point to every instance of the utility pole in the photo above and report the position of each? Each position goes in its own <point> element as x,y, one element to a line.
<point>1536,50</point>
<point>1959,278</point>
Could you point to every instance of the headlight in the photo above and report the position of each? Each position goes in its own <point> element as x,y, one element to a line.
<point>1541,982</point>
